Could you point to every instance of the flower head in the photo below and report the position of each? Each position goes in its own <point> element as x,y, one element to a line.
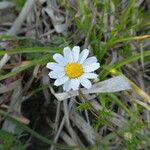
<point>128,136</point>
<point>73,68</point>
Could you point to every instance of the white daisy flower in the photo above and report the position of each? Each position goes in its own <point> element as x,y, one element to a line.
<point>73,68</point>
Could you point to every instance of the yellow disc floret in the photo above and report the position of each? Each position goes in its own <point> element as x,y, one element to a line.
<point>73,70</point>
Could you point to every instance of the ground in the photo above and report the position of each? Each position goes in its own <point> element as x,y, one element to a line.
<point>113,114</point>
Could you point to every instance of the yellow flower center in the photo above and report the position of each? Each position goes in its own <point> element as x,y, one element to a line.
<point>73,70</point>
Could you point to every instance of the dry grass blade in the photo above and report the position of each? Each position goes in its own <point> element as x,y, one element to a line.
<point>113,114</point>
<point>5,5</point>
<point>65,137</point>
<point>83,126</point>
<point>21,18</point>
<point>115,84</point>
<point>15,107</point>
<point>4,60</point>
<point>10,87</point>
<point>139,91</point>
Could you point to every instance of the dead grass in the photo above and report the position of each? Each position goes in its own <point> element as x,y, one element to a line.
<point>117,32</point>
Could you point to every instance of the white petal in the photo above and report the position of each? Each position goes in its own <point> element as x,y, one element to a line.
<point>75,53</point>
<point>61,81</point>
<point>85,82</point>
<point>90,61</point>
<point>75,84</point>
<point>54,66</point>
<point>56,74</point>
<point>67,86</point>
<point>91,67</point>
<point>83,55</point>
<point>60,59</point>
<point>90,75</point>
<point>68,54</point>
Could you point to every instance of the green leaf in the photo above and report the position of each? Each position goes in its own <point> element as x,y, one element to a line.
<point>83,106</point>
<point>6,140</point>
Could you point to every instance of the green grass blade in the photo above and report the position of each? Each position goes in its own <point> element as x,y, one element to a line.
<point>120,104</point>
<point>27,65</point>
<point>11,37</point>
<point>131,38</point>
<point>117,28</point>
<point>123,62</point>
<point>30,50</point>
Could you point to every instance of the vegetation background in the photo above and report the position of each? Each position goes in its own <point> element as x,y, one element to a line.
<point>117,32</point>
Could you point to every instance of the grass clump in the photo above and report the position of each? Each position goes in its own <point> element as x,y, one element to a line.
<point>116,32</point>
